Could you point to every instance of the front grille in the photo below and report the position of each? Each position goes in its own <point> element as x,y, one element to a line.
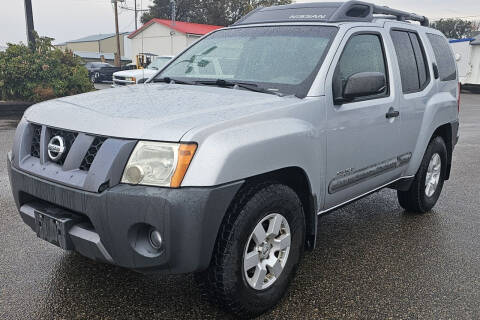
<point>35,147</point>
<point>91,153</point>
<point>69,138</point>
<point>119,78</point>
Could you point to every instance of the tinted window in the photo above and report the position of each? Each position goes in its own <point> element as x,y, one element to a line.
<point>406,61</point>
<point>363,53</point>
<point>445,62</point>
<point>422,65</point>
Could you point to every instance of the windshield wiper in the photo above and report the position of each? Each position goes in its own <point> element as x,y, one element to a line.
<point>244,85</point>
<point>174,81</point>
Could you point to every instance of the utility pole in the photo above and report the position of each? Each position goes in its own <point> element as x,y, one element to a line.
<point>29,21</point>
<point>174,11</point>
<point>118,56</point>
<point>136,15</point>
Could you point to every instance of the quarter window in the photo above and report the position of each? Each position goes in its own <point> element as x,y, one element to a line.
<point>362,53</point>
<point>443,54</point>
<point>411,61</point>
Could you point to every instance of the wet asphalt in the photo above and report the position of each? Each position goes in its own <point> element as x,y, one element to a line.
<point>373,261</point>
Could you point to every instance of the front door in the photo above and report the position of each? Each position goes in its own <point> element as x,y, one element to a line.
<point>361,134</point>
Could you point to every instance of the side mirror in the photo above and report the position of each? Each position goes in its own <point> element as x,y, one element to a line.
<point>362,84</point>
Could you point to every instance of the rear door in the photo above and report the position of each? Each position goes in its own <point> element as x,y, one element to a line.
<point>415,87</point>
<point>362,152</point>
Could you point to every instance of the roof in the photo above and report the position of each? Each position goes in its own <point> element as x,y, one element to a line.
<point>474,41</point>
<point>95,37</point>
<point>97,55</point>
<point>180,26</point>
<point>461,40</point>
<point>350,11</point>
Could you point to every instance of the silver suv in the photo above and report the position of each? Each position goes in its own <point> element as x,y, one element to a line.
<point>222,163</point>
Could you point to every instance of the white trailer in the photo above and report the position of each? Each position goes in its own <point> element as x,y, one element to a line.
<point>467,54</point>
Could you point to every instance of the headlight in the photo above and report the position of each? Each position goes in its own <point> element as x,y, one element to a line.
<point>158,164</point>
<point>133,79</point>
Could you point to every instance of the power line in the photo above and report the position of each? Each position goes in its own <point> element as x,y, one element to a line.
<point>133,9</point>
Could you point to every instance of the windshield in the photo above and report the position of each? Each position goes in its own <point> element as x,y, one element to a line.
<point>102,65</point>
<point>285,59</point>
<point>159,63</point>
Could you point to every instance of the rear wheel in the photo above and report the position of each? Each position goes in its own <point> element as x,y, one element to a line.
<point>428,183</point>
<point>257,252</point>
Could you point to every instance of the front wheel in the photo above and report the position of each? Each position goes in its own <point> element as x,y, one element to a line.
<point>428,183</point>
<point>257,251</point>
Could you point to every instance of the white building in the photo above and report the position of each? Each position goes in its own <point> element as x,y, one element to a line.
<point>160,37</point>
<point>467,54</point>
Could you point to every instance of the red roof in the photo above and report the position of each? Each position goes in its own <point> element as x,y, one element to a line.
<point>184,27</point>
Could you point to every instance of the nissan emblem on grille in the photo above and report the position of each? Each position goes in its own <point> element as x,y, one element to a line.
<point>56,148</point>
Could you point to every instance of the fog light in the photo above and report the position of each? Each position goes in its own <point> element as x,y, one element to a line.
<point>155,239</point>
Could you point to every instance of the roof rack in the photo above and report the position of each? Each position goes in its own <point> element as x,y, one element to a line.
<point>351,11</point>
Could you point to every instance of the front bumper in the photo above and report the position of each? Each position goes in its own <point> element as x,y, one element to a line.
<point>187,218</point>
<point>121,82</point>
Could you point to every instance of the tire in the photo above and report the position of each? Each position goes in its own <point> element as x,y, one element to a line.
<point>93,78</point>
<point>416,199</point>
<point>226,282</point>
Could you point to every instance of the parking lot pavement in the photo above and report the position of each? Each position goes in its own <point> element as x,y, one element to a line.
<point>103,85</point>
<point>373,261</point>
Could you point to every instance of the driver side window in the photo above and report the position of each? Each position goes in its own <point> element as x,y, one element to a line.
<point>362,53</point>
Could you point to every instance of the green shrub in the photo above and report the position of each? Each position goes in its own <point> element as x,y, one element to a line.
<point>40,74</point>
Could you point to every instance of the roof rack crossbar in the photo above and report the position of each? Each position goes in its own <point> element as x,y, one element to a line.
<point>350,11</point>
<point>401,15</point>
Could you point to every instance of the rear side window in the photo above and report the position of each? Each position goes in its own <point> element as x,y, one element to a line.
<point>444,57</point>
<point>411,60</point>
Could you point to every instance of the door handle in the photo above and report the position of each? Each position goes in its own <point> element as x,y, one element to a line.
<point>392,114</point>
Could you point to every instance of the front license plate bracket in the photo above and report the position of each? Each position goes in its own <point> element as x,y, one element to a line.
<point>54,226</point>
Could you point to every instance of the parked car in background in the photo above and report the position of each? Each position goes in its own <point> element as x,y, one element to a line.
<point>101,71</point>
<point>126,77</point>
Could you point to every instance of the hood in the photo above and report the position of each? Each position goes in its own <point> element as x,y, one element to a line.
<point>163,112</point>
<point>137,73</point>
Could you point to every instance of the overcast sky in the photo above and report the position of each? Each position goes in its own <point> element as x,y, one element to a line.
<point>71,19</point>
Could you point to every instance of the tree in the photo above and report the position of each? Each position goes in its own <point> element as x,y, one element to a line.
<point>216,12</point>
<point>455,28</point>
<point>40,73</point>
